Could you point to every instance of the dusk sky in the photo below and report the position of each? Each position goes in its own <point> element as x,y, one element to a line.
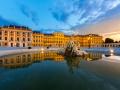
<point>72,15</point>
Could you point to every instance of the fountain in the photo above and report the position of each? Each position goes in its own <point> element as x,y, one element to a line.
<point>73,49</point>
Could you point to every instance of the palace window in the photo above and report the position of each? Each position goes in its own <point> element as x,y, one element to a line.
<point>6,44</point>
<point>18,33</point>
<point>29,34</point>
<point>23,33</point>
<point>28,39</point>
<point>5,38</point>
<point>0,32</point>
<point>12,32</point>
<point>23,44</point>
<point>18,45</point>
<point>11,38</point>
<point>23,39</point>
<point>0,38</point>
<point>6,32</point>
<point>11,44</point>
<point>18,39</point>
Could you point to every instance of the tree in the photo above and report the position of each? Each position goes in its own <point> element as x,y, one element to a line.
<point>109,40</point>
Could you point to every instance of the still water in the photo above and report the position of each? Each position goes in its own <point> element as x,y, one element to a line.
<point>51,71</point>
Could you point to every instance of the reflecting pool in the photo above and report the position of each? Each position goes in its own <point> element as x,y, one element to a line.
<point>52,71</point>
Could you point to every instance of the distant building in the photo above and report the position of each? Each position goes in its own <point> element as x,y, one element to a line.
<point>15,36</point>
<point>53,40</point>
<point>58,39</point>
<point>38,39</point>
<point>90,40</point>
<point>19,36</point>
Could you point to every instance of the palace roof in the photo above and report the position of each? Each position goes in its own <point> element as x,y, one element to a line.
<point>16,27</point>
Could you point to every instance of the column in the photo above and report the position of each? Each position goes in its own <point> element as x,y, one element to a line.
<point>14,39</point>
<point>21,39</point>
<point>26,39</point>
<point>2,38</point>
<point>8,37</point>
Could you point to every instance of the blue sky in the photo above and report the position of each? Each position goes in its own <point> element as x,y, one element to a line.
<point>58,14</point>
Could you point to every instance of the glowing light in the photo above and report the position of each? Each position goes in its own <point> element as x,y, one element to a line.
<point>42,50</point>
<point>111,51</point>
<point>111,54</point>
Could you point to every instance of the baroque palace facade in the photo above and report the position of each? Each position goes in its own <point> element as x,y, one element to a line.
<point>15,36</point>
<point>58,39</point>
<point>19,36</point>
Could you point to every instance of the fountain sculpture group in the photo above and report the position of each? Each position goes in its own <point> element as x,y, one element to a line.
<point>73,49</point>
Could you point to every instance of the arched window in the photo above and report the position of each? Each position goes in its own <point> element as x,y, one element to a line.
<point>23,44</point>
<point>17,45</point>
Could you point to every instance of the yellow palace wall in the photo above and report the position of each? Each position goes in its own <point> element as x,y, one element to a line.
<point>58,39</point>
<point>19,36</point>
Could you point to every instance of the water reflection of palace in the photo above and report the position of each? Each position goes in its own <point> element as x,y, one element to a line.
<point>93,56</point>
<point>23,60</point>
<point>47,56</point>
<point>16,61</point>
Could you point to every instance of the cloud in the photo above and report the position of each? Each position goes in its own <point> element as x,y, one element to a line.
<point>60,16</point>
<point>29,13</point>
<point>107,26</point>
<point>111,4</point>
<point>80,12</point>
<point>6,22</point>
